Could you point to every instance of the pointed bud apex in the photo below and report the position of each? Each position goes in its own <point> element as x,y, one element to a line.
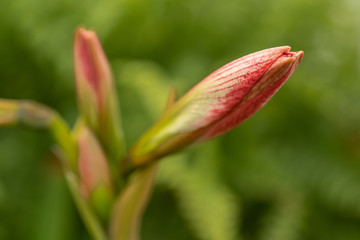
<point>220,102</point>
<point>172,97</point>
<point>270,82</point>
<point>96,91</point>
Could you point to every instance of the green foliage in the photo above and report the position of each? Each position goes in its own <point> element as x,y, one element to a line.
<point>205,201</point>
<point>291,172</point>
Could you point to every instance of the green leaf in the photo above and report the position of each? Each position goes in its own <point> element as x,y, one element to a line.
<point>130,205</point>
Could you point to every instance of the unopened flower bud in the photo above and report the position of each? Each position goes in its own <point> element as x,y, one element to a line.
<point>92,163</point>
<point>96,91</point>
<point>220,102</point>
<point>95,178</point>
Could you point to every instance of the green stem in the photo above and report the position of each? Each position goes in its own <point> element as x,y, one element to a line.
<point>89,218</point>
<point>131,203</point>
<point>64,139</point>
<point>39,116</point>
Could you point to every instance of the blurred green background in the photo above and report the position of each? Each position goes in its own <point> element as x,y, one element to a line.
<point>290,172</point>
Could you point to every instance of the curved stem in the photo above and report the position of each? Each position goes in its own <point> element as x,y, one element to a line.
<point>36,115</point>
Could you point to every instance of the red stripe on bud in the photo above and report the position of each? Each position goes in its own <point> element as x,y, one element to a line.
<point>220,102</point>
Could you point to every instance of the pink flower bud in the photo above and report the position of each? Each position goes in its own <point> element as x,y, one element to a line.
<point>260,93</point>
<point>96,91</point>
<point>92,163</point>
<point>220,102</point>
